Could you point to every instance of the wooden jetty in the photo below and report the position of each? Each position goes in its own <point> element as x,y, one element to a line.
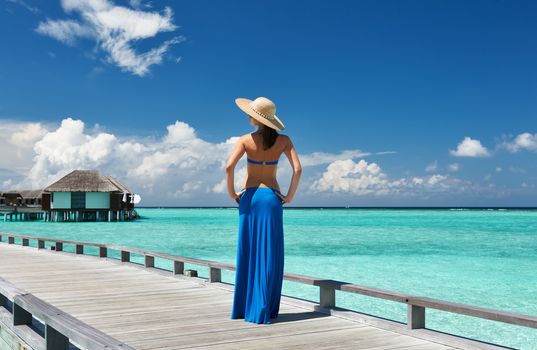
<point>53,299</point>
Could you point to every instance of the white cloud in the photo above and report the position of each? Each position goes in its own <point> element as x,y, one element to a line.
<point>362,178</point>
<point>66,31</point>
<point>454,167</point>
<point>524,141</point>
<point>432,167</point>
<point>470,148</point>
<point>28,135</point>
<point>179,167</point>
<point>17,140</point>
<point>499,169</point>
<point>348,176</point>
<point>115,29</point>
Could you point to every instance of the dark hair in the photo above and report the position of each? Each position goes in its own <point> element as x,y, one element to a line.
<point>269,136</point>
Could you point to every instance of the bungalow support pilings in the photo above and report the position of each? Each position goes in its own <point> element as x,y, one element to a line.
<point>67,215</point>
<point>17,216</point>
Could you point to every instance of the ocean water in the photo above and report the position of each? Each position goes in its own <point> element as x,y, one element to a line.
<point>484,258</point>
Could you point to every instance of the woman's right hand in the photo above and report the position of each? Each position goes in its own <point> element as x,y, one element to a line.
<point>283,198</point>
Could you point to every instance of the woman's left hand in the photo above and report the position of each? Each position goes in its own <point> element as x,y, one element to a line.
<point>238,196</point>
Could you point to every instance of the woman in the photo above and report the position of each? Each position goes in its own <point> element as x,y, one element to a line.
<point>259,275</point>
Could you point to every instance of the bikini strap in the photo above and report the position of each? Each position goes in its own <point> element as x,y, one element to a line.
<point>261,162</point>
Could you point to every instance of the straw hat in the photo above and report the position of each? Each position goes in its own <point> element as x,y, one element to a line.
<point>261,109</point>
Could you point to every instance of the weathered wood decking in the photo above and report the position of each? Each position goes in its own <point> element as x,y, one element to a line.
<point>148,310</point>
<point>98,302</point>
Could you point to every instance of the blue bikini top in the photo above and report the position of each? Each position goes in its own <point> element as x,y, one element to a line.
<point>261,162</point>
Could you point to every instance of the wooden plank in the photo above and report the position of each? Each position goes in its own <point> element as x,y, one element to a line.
<point>147,309</point>
<point>67,325</point>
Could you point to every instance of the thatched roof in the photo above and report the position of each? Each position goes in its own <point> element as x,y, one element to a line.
<point>86,181</point>
<point>11,194</point>
<point>31,193</point>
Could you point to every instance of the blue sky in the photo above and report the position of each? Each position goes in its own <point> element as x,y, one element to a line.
<point>410,78</point>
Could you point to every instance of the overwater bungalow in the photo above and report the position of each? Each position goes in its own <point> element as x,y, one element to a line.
<point>20,205</point>
<point>11,198</point>
<point>87,195</point>
<point>31,198</point>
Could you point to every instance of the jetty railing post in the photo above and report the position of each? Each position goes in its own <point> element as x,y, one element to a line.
<point>25,242</point>
<point>103,252</point>
<point>55,340</point>
<point>11,240</point>
<point>59,246</point>
<point>215,274</point>
<point>149,261</point>
<point>178,267</point>
<point>415,316</point>
<point>40,244</point>
<point>3,301</point>
<point>327,296</point>
<point>125,256</point>
<point>80,249</point>
<point>21,316</point>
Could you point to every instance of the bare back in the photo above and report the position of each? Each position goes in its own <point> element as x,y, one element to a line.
<point>263,175</point>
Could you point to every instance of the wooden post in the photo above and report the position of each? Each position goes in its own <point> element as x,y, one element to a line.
<point>59,246</point>
<point>149,261</point>
<point>11,240</point>
<point>25,242</point>
<point>55,340</point>
<point>3,301</point>
<point>327,297</point>
<point>21,316</point>
<point>103,252</point>
<point>215,274</point>
<point>125,256</point>
<point>40,244</point>
<point>178,268</point>
<point>80,249</point>
<point>415,317</point>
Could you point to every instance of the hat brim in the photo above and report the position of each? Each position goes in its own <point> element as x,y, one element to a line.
<point>244,104</point>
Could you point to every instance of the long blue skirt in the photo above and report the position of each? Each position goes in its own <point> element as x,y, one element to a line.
<point>259,274</point>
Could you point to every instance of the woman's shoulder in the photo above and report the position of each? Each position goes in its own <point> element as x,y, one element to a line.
<point>284,137</point>
<point>286,140</point>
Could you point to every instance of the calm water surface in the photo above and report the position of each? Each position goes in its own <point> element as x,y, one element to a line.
<point>479,257</point>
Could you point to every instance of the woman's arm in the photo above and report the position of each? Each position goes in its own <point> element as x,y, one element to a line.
<point>291,154</point>
<point>230,168</point>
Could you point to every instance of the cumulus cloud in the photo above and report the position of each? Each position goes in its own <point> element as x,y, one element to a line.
<point>115,29</point>
<point>176,165</point>
<point>179,167</point>
<point>17,140</point>
<point>363,178</point>
<point>524,141</point>
<point>470,148</point>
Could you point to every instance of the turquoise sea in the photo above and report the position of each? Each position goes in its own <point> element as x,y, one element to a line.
<point>478,257</point>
